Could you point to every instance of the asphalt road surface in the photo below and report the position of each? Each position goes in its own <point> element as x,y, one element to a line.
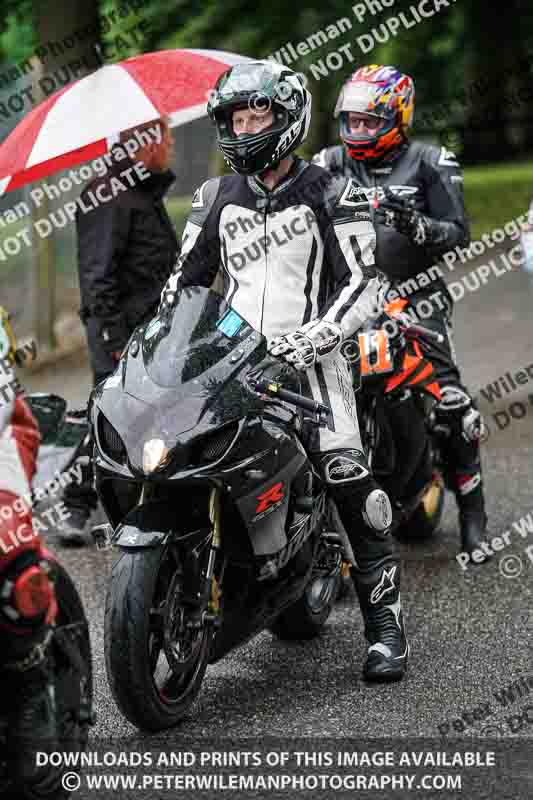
<point>470,631</point>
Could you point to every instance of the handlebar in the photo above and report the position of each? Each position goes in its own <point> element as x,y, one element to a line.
<point>273,389</point>
<point>425,333</point>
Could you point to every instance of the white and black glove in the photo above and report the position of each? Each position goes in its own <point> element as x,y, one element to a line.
<point>308,344</point>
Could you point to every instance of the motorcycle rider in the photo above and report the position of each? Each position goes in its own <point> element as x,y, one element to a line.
<point>418,215</point>
<point>27,600</point>
<point>293,250</point>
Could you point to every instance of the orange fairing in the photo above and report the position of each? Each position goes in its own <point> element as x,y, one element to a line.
<point>375,355</point>
<point>394,307</point>
<point>416,371</point>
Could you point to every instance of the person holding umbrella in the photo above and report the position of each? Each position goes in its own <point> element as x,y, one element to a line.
<point>126,250</point>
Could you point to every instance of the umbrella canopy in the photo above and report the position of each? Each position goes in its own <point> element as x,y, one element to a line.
<point>84,120</point>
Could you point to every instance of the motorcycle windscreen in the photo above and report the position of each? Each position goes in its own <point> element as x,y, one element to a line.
<point>185,348</point>
<point>185,379</point>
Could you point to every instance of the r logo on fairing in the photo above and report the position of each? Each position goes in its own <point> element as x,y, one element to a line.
<point>272,497</point>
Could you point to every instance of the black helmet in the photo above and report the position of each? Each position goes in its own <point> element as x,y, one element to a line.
<point>260,86</point>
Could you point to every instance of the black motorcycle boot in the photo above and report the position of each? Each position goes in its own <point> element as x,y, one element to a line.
<point>32,721</point>
<point>470,499</point>
<point>378,589</point>
<point>473,525</point>
<point>463,430</point>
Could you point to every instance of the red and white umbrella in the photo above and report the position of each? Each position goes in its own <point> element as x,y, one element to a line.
<point>83,120</point>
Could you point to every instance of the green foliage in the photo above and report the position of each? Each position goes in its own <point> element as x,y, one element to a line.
<point>17,37</point>
<point>178,210</point>
<point>121,32</point>
<point>496,194</point>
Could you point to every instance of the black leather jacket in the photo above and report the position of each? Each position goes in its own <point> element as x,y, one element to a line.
<point>429,175</point>
<point>126,250</point>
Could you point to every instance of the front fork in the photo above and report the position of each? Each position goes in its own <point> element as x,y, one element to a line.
<point>210,592</point>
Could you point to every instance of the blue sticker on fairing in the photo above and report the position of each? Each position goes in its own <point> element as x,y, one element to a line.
<point>153,328</point>
<point>230,324</point>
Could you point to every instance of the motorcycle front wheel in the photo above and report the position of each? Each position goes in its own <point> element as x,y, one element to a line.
<point>155,661</point>
<point>424,522</point>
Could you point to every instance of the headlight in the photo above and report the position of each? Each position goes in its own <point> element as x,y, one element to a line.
<point>154,454</point>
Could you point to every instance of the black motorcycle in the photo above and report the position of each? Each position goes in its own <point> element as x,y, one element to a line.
<point>73,684</point>
<point>223,524</point>
<point>397,395</point>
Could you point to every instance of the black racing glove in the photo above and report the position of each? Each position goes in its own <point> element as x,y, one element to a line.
<point>398,212</point>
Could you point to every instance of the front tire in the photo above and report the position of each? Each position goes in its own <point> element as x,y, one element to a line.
<point>426,518</point>
<point>145,587</point>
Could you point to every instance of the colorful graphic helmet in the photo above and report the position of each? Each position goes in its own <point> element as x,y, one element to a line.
<point>260,86</point>
<point>383,92</point>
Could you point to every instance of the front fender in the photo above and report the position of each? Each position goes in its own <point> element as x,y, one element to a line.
<point>148,526</point>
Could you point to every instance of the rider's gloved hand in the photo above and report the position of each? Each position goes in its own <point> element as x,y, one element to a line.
<point>397,212</point>
<point>308,344</point>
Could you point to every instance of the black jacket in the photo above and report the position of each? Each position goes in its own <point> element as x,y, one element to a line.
<point>428,175</point>
<point>126,250</point>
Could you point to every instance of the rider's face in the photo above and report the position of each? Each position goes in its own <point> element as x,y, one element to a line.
<point>248,121</point>
<point>364,124</point>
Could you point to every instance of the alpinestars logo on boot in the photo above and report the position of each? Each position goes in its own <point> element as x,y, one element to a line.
<point>385,585</point>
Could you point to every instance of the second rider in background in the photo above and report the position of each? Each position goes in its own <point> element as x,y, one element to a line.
<point>419,215</point>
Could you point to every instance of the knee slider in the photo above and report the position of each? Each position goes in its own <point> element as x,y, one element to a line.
<point>344,466</point>
<point>454,401</point>
<point>377,511</point>
<point>456,414</point>
<point>348,475</point>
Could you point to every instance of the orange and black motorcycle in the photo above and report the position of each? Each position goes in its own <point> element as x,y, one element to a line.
<point>395,400</point>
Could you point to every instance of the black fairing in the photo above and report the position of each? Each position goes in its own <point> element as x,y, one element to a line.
<point>180,378</point>
<point>183,380</point>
